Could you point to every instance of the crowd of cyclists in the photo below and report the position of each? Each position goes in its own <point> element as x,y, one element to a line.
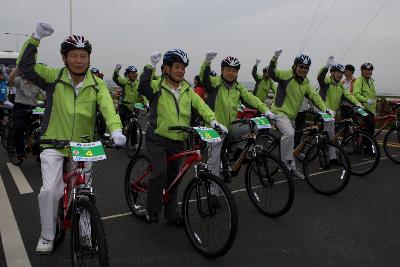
<point>74,94</point>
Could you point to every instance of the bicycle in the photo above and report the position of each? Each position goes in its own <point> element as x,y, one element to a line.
<point>198,205</point>
<point>361,148</point>
<point>5,125</point>
<point>391,141</point>
<point>269,184</point>
<point>77,211</point>
<point>322,176</point>
<point>133,131</point>
<point>32,134</point>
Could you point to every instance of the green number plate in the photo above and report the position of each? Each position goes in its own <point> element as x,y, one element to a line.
<point>38,111</point>
<point>140,106</point>
<point>262,122</point>
<point>209,135</point>
<point>87,151</point>
<point>362,112</point>
<point>326,116</point>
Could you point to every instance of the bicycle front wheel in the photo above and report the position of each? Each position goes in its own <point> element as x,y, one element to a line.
<point>391,144</point>
<point>137,176</point>
<point>326,168</point>
<point>210,215</point>
<point>134,138</point>
<point>88,240</point>
<point>269,185</point>
<point>12,150</point>
<point>363,152</point>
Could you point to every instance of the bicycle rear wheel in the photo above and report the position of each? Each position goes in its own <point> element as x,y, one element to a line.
<point>391,144</point>
<point>88,240</point>
<point>210,215</point>
<point>136,181</point>
<point>363,152</point>
<point>269,185</point>
<point>134,138</point>
<point>4,134</point>
<point>323,175</point>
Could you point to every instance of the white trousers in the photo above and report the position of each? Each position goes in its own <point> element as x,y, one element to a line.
<point>286,127</point>
<point>52,189</point>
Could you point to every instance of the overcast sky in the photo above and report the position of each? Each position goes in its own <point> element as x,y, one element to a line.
<point>127,32</point>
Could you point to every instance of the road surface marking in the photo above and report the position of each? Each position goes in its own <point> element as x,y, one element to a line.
<point>19,179</point>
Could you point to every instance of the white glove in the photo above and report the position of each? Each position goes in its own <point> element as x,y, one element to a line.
<point>330,62</point>
<point>118,138</point>
<point>42,30</point>
<point>370,101</point>
<point>118,66</point>
<point>8,104</point>
<point>278,52</point>
<point>331,112</point>
<point>218,126</point>
<point>359,105</point>
<point>270,115</point>
<point>210,55</point>
<point>155,58</point>
<point>257,61</point>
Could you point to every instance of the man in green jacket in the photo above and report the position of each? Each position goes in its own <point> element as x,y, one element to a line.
<point>224,95</point>
<point>293,85</point>
<point>364,91</point>
<point>72,94</point>
<point>264,84</point>
<point>171,101</point>
<point>332,92</point>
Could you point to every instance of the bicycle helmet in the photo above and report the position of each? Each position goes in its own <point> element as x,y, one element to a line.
<point>337,67</point>
<point>265,69</point>
<point>230,62</point>
<point>130,69</point>
<point>367,66</point>
<point>75,42</point>
<point>302,59</point>
<point>95,70</point>
<point>213,73</point>
<point>175,55</point>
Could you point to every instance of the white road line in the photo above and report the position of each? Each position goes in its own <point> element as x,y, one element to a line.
<point>19,179</point>
<point>13,246</point>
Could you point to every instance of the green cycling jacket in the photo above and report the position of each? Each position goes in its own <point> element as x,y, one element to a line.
<point>291,91</point>
<point>224,100</point>
<point>364,89</point>
<point>332,92</point>
<point>166,110</point>
<point>67,116</point>
<point>130,93</point>
<point>263,85</point>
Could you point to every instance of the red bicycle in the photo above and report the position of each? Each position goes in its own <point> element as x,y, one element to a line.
<point>208,207</point>
<point>77,211</point>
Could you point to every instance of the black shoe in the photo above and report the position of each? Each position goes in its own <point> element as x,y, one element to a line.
<point>151,217</point>
<point>335,162</point>
<point>178,222</point>
<point>21,156</point>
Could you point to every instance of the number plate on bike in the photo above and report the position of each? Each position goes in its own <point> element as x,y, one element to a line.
<point>262,122</point>
<point>140,106</point>
<point>326,116</point>
<point>87,151</point>
<point>362,112</point>
<point>38,111</point>
<point>208,135</point>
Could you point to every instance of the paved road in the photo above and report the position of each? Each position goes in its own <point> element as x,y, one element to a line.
<point>357,227</point>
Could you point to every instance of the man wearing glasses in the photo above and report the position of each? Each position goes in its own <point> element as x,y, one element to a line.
<point>293,85</point>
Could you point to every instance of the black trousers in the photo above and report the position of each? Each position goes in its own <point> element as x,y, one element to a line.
<point>159,149</point>
<point>369,123</point>
<point>300,122</point>
<point>21,120</point>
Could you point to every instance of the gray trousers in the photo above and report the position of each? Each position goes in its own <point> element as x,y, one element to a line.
<point>159,149</point>
<point>286,127</point>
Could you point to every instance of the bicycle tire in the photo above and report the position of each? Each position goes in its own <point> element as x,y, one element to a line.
<point>81,246</point>
<point>11,150</point>
<point>386,146</point>
<point>344,170</point>
<point>136,199</point>
<point>268,140</point>
<point>261,190</point>
<point>60,229</point>
<point>207,208</point>
<point>133,148</point>
<point>7,128</point>
<point>354,146</point>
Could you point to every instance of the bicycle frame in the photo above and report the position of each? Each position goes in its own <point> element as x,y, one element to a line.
<point>387,119</point>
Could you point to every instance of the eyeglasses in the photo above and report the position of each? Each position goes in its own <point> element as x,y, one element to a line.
<point>304,67</point>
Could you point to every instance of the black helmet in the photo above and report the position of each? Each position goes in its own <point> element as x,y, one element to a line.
<point>230,62</point>
<point>302,59</point>
<point>175,55</point>
<point>367,66</point>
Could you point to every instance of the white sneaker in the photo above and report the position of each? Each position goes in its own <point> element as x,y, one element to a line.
<point>297,175</point>
<point>44,246</point>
